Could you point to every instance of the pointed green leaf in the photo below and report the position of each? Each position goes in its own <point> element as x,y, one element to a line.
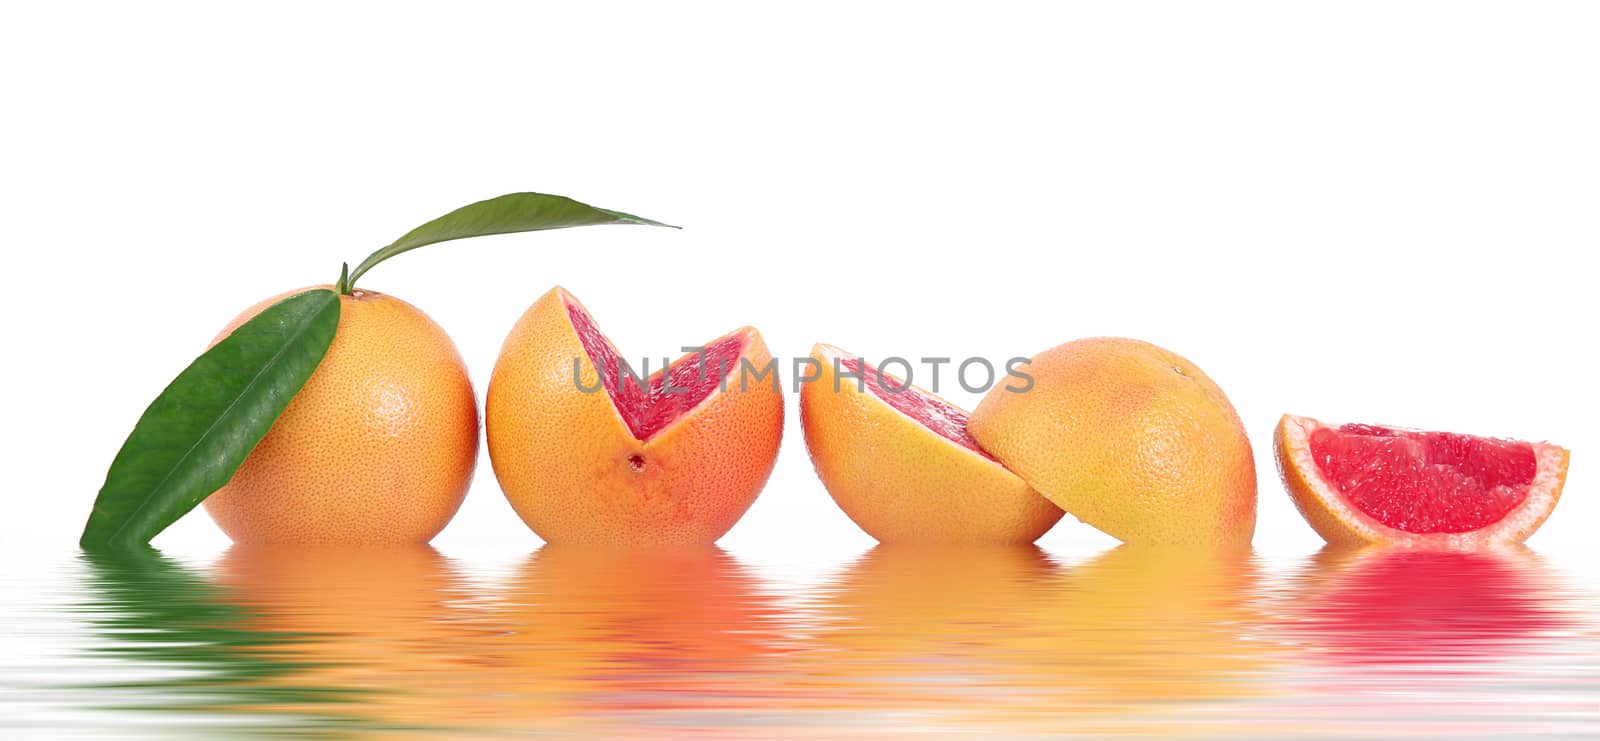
<point>200,429</point>
<point>515,212</point>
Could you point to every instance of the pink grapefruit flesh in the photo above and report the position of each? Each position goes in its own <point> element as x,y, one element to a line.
<point>649,405</point>
<point>1370,483</point>
<point>1425,482</point>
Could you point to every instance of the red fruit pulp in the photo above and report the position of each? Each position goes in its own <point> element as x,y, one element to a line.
<point>648,405</point>
<point>1425,482</point>
<point>936,414</point>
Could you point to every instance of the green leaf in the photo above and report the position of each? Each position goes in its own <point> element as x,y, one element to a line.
<point>516,212</point>
<point>201,428</point>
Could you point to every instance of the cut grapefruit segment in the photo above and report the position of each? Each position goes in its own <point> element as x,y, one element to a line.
<point>674,458</point>
<point>1360,483</point>
<point>899,462</point>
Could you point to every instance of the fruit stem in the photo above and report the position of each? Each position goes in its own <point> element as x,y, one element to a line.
<point>350,282</point>
<point>344,286</point>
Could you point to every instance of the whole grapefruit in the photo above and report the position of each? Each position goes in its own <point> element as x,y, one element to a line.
<point>1128,437</point>
<point>587,453</point>
<point>379,446</point>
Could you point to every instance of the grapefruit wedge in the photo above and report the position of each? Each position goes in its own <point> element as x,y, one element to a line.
<point>1359,484</point>
<point>588,453</point>
<point>899,462</point>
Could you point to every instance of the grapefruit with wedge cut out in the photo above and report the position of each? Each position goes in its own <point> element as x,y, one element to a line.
<point>899,462</point>
<point>1360,484</point>
<point>588,453</point>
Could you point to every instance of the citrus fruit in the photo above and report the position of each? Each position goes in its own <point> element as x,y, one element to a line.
<point>585,453</point>
<point>377,448</point>
<point>899,462</point>
<point>1369,484</point>
<point>1130,438</point>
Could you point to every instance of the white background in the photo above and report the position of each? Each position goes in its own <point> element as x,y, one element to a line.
<point>1375,212</point>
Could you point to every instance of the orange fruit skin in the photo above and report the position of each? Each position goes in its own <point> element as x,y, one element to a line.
<point>379,446</point>
<point>902,482</point>
<point>1343,525</point>
<point>575,473</point>
<point>1130,438</point>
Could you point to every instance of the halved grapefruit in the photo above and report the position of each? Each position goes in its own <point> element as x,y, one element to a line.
<point>672,459</point>
<point>899,462</point>
<point>1361,484</point>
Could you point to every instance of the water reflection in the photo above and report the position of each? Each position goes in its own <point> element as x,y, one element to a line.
<point>390,628</point>
<point>926,631</point>
<point>1439,644</point>
<point>971,641</point>
<point>1004,635</point>
<point>600,636</point>
<point>967,608</point>
<point>1377,607</point>
<point>1152,626</point>
<point>196,647</point>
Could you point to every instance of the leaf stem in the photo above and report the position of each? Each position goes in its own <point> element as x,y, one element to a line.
<point>344,286</point>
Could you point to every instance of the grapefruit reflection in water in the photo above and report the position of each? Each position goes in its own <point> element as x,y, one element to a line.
<point>979,641</point>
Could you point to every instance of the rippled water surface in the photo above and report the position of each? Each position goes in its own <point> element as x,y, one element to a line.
<point>698,644</point>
